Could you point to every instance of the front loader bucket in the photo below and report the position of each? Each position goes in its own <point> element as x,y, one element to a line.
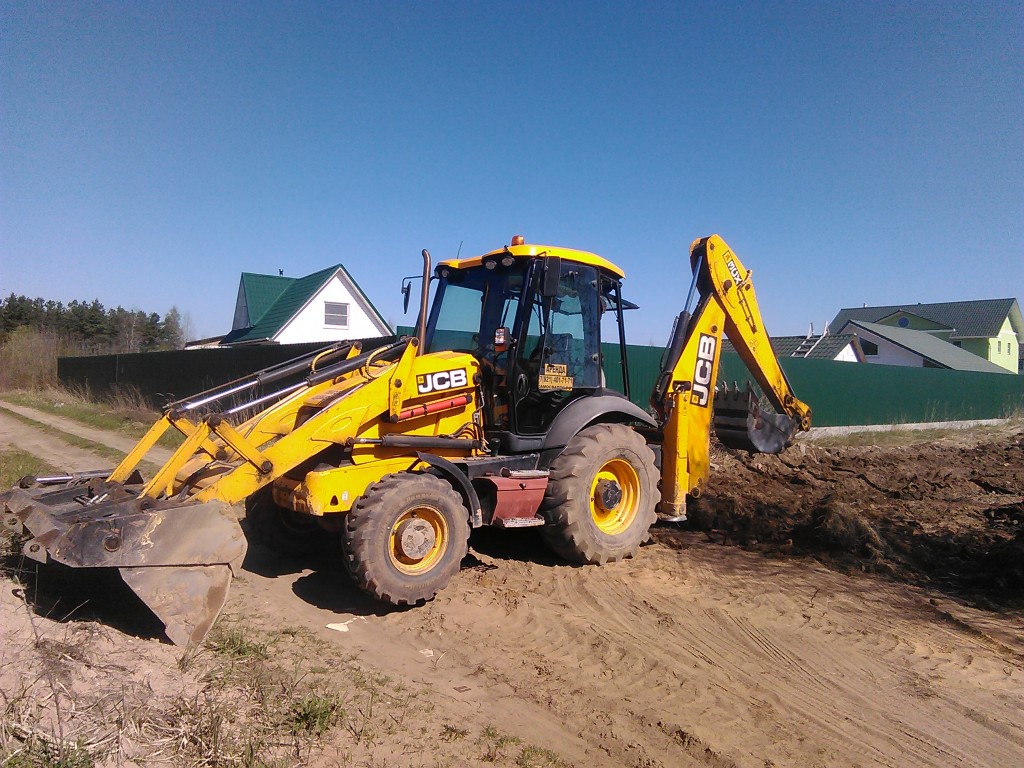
<point>178,558</point>
<point>741,423</point>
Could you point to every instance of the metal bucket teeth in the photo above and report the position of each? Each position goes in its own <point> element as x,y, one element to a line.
<point>179,559</point>
<point>741,423</point>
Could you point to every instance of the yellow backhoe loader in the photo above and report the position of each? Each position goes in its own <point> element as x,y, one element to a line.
<point>496,413</point>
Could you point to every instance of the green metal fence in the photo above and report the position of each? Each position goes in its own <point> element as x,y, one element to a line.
<point>843,394</point>
<point>840,394</point>
<point>855,393</point>
<point>164,376</point>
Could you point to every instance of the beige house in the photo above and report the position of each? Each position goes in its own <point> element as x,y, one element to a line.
<point>992,329</point>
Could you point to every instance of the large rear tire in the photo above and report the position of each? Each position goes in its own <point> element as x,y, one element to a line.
<point>285,531</point>
<point>405,538</point>
<point>600,499</point>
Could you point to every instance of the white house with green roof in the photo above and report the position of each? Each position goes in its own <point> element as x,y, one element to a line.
<point>992,329</point>
<point>325,306</point>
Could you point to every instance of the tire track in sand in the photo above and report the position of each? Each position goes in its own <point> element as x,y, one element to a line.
<point>752,659</point>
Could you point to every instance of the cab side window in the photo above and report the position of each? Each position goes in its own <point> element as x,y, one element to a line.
<point>571,343</point>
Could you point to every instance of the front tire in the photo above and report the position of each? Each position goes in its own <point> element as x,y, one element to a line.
<point>600,499</point>
<point>405,538</point>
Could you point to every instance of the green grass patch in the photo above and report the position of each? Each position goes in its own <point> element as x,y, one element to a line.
<point>496,744</point>
<point>36,753</point>
<point>316,713</point>
<point>451,733</point>
<point>237,642</point>
<point>537,757</point>
<point>16,464</point>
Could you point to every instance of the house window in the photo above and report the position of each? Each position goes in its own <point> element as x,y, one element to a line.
<point>999,347</point>
<point>335,314</point>
<point>869,347</point>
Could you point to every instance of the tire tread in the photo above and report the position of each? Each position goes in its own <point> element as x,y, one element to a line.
<point>571,532</point>
<point>363,561</point>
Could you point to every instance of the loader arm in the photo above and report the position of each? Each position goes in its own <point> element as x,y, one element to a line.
<point>284,435</point>
<point>175,540</point>
<point>684,396</point>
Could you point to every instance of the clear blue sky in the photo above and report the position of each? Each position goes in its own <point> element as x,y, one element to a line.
<point>849,152</point>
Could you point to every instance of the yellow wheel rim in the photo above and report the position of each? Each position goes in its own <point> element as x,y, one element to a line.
<point>615,496</point>
<point>418,540</point>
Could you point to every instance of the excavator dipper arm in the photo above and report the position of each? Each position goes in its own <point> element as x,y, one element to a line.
<point>684,396</point>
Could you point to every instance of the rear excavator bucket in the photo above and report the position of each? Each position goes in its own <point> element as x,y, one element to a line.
<point>741,423</point>
<point>178,557</point>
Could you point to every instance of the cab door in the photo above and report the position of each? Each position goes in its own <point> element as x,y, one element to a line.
<point>558,343</point>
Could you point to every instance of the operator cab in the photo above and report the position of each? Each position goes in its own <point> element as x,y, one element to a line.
<point>533,316</point>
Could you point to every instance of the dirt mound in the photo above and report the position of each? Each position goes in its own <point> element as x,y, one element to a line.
<point>949,513</point>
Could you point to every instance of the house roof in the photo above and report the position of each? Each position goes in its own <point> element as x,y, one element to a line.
<point>271,315</point>
<point>937,351</point>
<point>967,319</point>
<point>261,291</point>
<point>824,347</point>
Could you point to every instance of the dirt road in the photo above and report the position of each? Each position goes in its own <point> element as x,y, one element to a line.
<point>695,653</point>
<point>119,442</point>
<point>50,448</point>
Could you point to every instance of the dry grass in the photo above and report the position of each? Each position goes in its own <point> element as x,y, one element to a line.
<point>247,698</point>
<point>125,412</point>
<point>113,455</point>
<point>895,436</point>
<point>242,702</point>
<point>28,359</point>
<point>839,526</point>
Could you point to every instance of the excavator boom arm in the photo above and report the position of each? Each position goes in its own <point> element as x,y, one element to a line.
<point>684,396</point>
<point>723,277</point>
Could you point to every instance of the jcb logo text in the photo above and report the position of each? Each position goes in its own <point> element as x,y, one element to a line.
<point>734,271</point>
<point>440,381</point>
<point>703,369</point>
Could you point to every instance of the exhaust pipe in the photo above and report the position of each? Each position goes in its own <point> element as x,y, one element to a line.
<point>421,329</point>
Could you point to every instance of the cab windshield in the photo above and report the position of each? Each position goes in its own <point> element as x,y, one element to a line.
<point>470,304</point>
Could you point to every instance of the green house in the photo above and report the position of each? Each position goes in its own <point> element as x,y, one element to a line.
<point>325,306</point>
<point>992,329</point>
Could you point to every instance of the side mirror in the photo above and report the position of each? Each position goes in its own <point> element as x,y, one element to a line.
<point>552,276</point>
<point>406,292</point>
<point>500,339</point>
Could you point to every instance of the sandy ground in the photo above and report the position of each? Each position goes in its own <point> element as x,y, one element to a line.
<point>782,652</point>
